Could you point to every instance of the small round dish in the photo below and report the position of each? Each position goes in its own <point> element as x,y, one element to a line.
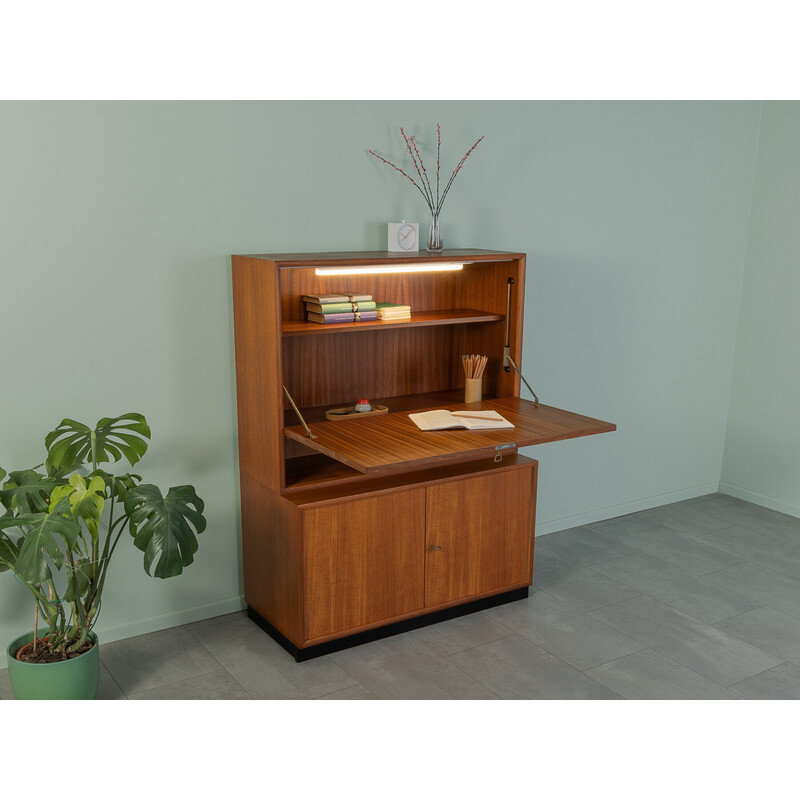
<point>349,412</point>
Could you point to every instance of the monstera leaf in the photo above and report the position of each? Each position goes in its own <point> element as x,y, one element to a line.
<point>118,485</point>
<point>162,526</point>
<point>73,443</point>
<point>85,502</point>
<point>27,492</point>
<point>8,550</point>
<point>80,578</point>
<point>46,533</point>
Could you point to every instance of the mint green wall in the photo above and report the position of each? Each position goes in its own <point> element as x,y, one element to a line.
<point>762,445</point>
<point>117,221</point>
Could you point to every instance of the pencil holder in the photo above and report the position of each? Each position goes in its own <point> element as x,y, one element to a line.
<point>473,389</point>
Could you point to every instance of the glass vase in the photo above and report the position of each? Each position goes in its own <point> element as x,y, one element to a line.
<point>435,241</point>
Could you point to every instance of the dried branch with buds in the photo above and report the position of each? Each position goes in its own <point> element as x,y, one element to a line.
<point>424,186</point>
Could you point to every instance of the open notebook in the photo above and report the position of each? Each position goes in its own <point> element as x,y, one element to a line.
<point>441,420</point>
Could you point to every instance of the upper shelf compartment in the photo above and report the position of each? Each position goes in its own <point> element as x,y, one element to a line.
<point>456,287</point>
<point>458,316</point>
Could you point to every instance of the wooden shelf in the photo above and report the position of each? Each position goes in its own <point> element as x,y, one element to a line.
<point>420,319</point>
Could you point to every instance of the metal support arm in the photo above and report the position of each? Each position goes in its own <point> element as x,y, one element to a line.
<point>309,434</point>
<point>507,349</point>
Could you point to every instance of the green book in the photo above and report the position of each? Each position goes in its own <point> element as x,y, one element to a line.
<point>340,308</point>
<point>393,311</point>
<point>344,297</point>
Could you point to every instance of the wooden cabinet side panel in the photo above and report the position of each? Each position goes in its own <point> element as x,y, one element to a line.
<point>259,396</point>
<point>485,286</point>
<point>478,536</point>
<point>271,558</point>
<point>363,561</point>
<point>532,521</point>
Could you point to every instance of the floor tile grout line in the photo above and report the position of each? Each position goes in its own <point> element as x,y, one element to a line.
<point>583,669</point>
<point>331,657</point>
<point>182,680</point>
<point>589,610</point>
<point>769,569</point>
<point>434,653</point>
<point>796,614</point>
<point>222,666</point>
<point>701,622</point>
<point>477,646</point>
<point>729,551</point>
<point>590,613</point>
<point>741,614</point>
<point>761,672</point>
<point>671,660</point>
<point>111,675</point>
<point>680,610</point>
<point>723,685</point>
<point>473,646</point>
<point>550,652</point>
<point>199,674</point>
<point>345,688</point>
<point>758,646</point>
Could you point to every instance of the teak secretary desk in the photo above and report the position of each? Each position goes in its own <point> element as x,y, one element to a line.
<point>353,529</point>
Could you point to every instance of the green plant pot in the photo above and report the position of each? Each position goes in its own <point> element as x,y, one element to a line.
<point>76,679</point>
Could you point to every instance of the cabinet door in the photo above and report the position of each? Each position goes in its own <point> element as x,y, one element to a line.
<point>478,535</point>
<point>363,560</point>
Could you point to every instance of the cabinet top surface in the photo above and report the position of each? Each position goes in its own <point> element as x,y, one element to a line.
<point>370,257</point>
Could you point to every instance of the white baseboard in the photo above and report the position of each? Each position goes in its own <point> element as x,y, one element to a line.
<point>759,499</point>
<point>170,620</point>
<point>609,512</point>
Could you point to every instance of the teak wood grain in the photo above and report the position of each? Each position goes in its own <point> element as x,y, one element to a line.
<point>271,557</point>
<point>336,531</point>
<point>393,440</point>
<point>363,561</point>
<point>335,370</point>
<point>478,534</point>
<point>259,396</point>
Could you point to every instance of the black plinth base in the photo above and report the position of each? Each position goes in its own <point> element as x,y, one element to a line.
<point>316,650</point>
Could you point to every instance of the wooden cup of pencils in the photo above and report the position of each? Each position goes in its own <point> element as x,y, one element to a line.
<point>473,381</point>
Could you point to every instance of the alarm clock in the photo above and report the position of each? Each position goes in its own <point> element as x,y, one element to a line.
<point>403,236</point>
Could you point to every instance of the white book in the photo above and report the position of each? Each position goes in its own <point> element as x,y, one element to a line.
<point>442,420</point>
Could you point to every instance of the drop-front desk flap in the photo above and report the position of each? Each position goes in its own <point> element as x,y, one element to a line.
<point>392,441</point>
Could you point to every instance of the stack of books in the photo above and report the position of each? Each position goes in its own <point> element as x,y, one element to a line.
<point>393,311</point>
<point>344,307</point>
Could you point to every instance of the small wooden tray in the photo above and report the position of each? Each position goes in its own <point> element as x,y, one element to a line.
<point>349,412</point>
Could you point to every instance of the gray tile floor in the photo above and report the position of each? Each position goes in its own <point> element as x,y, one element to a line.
<point>694,600</point>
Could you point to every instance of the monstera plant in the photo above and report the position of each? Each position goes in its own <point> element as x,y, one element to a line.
<point>63,520</point>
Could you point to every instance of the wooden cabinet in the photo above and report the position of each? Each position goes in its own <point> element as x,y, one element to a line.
<point>352,529</point>
<point>478,535</point>
<point>363,561</point>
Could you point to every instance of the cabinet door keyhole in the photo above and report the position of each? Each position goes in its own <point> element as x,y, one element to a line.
<point>435,547</point>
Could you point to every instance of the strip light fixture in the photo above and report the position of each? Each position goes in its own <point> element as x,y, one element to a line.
<point>433,266</point>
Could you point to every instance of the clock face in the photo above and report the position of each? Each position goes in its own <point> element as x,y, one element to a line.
<point>406,237</point>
